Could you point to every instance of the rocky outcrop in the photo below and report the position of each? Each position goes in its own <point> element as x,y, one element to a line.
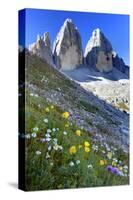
<point>68,47</point>
<point>98,52</point>
<point>119,63</point>
<point>42,48</point>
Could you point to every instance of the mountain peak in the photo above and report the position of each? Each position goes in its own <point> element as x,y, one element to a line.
<point>68,47</point>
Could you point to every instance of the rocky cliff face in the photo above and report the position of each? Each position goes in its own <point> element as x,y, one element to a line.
<point>119,63</point>
<point>98,52</point>
<point>42,48</point>
<point>68,47</point>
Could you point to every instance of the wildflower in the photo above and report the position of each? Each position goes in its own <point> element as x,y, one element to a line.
<point>56,147</point>
<point>33,135</point>
<point>72,150</point>
<point>86,144</point>
<point>42,140</point>
<point>48,135</point>
<point>54,129</point>
<point>35,129</point>
<point>52,107</point>
<point>120,168</point>
<point>47,110</point>
<point>38,152</point>
<point>77,162</point>
<point>66,125</point>
<point>60,147</point>
<point>57,129</point>
<point>45,120</point>
<point>114,163</point>
<point>90,166</point>
<point>87,149</point>
<point>65,115</point>
<point>27,136</point>
<point>113,170</point>
<point>48,139</point>
<point>78,132</point>
<point>64,132</point>
<point>125,167</point>
<point>51,163</point>
<point>80,146</point>
<point>109,155</point>
<point>71,163</point>
<point>49,148</point>
<point>95,147</point>
<point>55,140</point>
<point>49,131</point>
<point>47,155</point>
<point>101,162</point>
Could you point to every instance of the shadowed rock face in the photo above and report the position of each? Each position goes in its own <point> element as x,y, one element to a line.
<point>119,63</point>
<point>42,48</point>
<point>98,52</point>
<point>68,47</point>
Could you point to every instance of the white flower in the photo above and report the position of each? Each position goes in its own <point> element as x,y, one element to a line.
<point>45,120</point>
<point>49,131</point>
<point>36,95</point>
<point>49,148</point>
<point>42,139</point>
<point>33,135</point>
<point>90,166</point>
<point>56,147</point>
<point>39,106</point>
<point>60,147</point>
<point>125,167</point>
<point>47,155</point>
<point>103,152</point>
<point>64,132</point>
<point>48,135</point>
<point>71,163</point>
<point>77,162</point>
<point>57,129</point>
<point>38,152</point>
<point>54,129</point>
<point>35,129</point>
<point>31,94</point>
<point>51,163</point>
<point>55,140</point>
<point>27,136</point>
<point>115,160</point>
<point>95,147</point>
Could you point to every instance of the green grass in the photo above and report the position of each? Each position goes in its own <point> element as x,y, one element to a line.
<point>55,172</point>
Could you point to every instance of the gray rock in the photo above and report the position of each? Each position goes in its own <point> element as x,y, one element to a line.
<point>68,47</point>
<point>42,48</point>
<point>119,63</point>
<point>98,52</point>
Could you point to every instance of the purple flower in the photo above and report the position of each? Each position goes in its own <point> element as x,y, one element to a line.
<point>113,170</point>
<point>109,168</point>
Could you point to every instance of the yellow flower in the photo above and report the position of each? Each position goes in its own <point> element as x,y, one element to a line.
<point>120,168</point>
<point>52,107</point>
<point>102,162</point>
<point>87,149</point>
<point>87,144</point>
<point>72,150</point>
<point>80,146</point>
<point>66,125</point>
<point>78,132</point>
<point>47,109</point>
<point>114,163</point>
<point>109,155</point>
<point>65,115</point>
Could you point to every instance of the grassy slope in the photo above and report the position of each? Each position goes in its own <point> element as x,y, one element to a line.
<point>56,172</point>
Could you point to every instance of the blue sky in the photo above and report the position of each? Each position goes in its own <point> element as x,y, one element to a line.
<point>114,26</point>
